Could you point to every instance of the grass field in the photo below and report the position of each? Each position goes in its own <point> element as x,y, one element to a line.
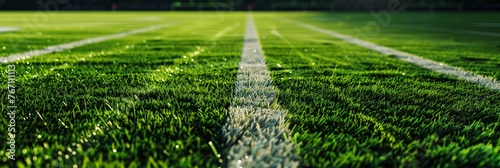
<point>160,98</point>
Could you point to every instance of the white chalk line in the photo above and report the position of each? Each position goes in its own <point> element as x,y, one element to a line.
<point>414,59</point>
<point>9,29</point>
<point>62,47</point>
<point>255,130</point>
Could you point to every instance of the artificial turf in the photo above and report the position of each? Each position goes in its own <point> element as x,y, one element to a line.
<point>151,99</point>
<point>158,98</point>
<point>475,53</point>
<point>350,106</point>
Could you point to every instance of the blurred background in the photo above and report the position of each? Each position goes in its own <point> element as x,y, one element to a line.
<point>267,5</point>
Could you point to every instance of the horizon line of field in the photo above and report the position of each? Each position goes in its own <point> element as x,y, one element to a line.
<point>410,58</point>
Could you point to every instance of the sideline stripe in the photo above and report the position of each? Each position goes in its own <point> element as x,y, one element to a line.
<point>255,129</point>
<point>446,30</point>
<point>62,47</point>
<point>414,59</point>
<point>9,29</point>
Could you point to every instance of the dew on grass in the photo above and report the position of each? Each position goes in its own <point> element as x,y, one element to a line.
<point>4,47</point>
<point>278,65</point>
<point>114,150</point>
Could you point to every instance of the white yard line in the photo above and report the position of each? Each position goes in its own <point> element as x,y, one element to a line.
<point>446,30</point>
<point>414,59</point>
<point>255,131</point>
<point>9,29</point>
<point>62,47</point>
<point>224,31</point>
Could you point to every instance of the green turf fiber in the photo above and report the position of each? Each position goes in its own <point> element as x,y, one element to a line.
<point>349,106</point>
<point>155,98</point>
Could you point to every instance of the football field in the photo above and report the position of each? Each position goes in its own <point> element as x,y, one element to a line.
<point>261,89</point>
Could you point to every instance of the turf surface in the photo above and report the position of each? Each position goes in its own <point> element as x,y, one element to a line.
<point>349,106</point>
<point>474,53</point>
<point>155,98</point>
<point>158,98</point>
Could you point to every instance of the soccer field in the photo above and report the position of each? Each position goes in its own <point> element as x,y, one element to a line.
<point>159,89</point>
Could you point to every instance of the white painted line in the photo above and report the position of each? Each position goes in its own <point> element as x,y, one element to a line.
<point>414,59</point>
<point>446,30</point>
<point>9,29</point>
<point>255,131</point>
<point>62,47</point>
<point>224,31</point>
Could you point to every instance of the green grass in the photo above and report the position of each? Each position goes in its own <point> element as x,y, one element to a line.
<point>349,106</point>
<point>40,30</point>
<point>474,53</point>
<point>157,99</point>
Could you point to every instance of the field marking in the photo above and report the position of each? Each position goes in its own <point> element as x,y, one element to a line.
<point>255,131</point>
<point>62,47</point>
<point>9,29</point>
<point>446,30</point>
<point>414,59</point>
<point>224,31</point>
